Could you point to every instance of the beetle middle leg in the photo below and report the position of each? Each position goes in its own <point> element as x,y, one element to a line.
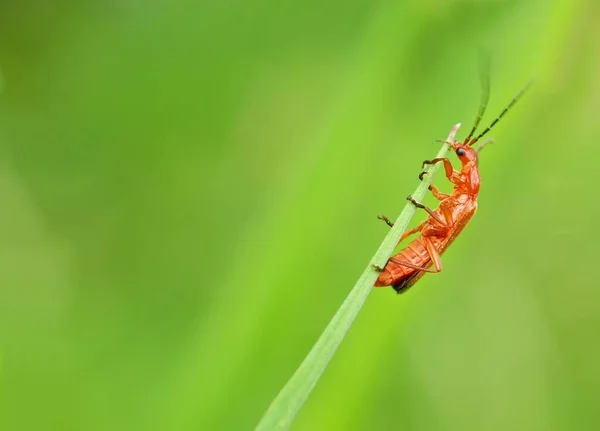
<point>412,231</point>
<point>426,208</point>
<point>437,194</point>
<point>406,234</point>
<point>433,253</point>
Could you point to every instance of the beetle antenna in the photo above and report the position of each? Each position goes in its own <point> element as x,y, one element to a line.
<point>506,109</point>
<point>484,72</point>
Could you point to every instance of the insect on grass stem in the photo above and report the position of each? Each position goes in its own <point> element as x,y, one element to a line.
<point>282,411</point>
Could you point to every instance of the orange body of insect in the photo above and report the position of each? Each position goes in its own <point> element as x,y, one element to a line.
<point>443,225</point>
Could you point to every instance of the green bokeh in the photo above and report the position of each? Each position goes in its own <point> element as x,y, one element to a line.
<point>189,189</point>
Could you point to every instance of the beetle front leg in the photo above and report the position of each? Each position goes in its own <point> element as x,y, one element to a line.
<point>451,174</point>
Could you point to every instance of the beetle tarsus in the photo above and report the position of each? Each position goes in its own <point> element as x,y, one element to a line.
<point>399,289</point>
<point>377,267</point>
<point>414,202</point>
<point>386,220</point>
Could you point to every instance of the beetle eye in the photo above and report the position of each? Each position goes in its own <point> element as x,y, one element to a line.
<point>460,152</point>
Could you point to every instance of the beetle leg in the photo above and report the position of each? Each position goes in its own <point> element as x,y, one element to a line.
<point>411,265</point>
<point>440,229</point>
<point>437,194</point>
<point>447,165</point>
<point>451,174</point>
<point>412,231</point>
<point>433,252</point>
<point>386,220</point>
<point>426,208</point>
<point>408,232</point>
<point>447,213</point>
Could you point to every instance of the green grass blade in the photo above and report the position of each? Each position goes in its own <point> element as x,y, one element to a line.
<point>291,398</point>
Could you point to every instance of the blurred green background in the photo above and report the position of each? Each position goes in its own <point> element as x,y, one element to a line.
<point>189,189</point>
